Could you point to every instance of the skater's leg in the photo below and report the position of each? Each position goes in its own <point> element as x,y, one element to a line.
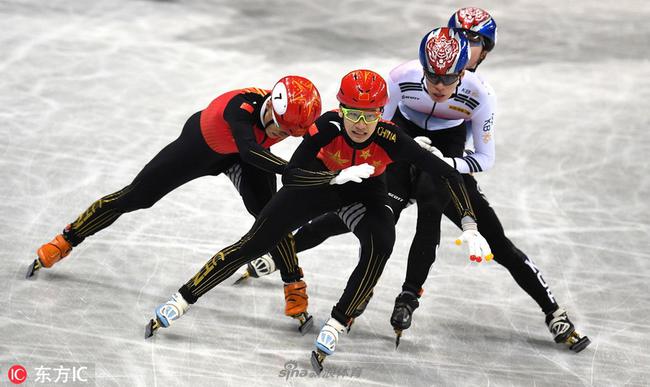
<point>287,210</point>
<point>186,158</point>
<point>376,234</point>
<point>523,269</point>
<point>318,230</point>
<point>431,199</point>
<point>312,234</point>
<point>183,160</point>
<point>401,179</point>
<point>309,235</point>
<point>422,254</point>
<point>256,188</point>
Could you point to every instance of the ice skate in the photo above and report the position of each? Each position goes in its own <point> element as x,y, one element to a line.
<point>359,311</point>
<point>564,331</point>
<point>166,313</point>
<point>49,254</point>
<point>256,268</point>
<point>405,303</point>
<point>295,297</point>
<point>326,343</point>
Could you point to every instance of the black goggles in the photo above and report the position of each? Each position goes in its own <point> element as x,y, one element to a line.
<point>473,37</point>
<point>476,39</point>
<point>446,79</point>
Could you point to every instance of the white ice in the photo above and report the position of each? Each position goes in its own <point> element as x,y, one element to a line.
<point>91,90</point>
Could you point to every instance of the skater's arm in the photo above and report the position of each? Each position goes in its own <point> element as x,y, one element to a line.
<point>242,123</point>
<point>298,173</point>
<point>482,128</point>
<point>301,171</point>
<point>406,149</point>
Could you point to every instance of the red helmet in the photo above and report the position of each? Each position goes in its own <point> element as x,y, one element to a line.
<point>296,104</point>
<point>363,89</point>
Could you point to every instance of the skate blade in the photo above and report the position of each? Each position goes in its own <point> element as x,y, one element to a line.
<point>317,358</point>
<point>33,268</point>
<point>151,328</point>
<point>349,327</point>
<point>398,335</point>
<point>243,278</point>
<point>306,323</point>
<point>578,343</point>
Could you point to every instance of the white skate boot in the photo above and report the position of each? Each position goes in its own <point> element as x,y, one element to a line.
<point>326,343</point>
<point>166,313</point>
<point>259,267</point>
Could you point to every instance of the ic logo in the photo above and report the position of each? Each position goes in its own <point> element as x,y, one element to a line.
<point>17,374</point>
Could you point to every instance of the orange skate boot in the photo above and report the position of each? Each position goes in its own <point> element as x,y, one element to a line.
<point>295,296</point>
<point>49,254</point>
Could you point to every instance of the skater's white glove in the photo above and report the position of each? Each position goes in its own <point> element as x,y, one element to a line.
<point>425,142</point>
<point>354,173</point>
<point>478,246</point>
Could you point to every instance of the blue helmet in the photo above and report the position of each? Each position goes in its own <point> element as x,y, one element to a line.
<point>444,51</point>
<point>478,21</point>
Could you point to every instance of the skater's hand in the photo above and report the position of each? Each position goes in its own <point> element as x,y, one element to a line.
<point>478,246</point>
<point>425,142</point>
<point>354,173</point>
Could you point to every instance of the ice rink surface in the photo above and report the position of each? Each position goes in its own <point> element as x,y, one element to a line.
<point>91,90</point>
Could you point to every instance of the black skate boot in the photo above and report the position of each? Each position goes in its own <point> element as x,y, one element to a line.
<point>360,309</point>
<point>405,304</point>
<point>564,331</point>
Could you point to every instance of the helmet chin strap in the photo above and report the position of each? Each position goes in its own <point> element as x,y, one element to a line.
<point>266,108</point>
<point>460,82</point>
<point>480,59</point>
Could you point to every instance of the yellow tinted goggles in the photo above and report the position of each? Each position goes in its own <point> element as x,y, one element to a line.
<point>354,115</point>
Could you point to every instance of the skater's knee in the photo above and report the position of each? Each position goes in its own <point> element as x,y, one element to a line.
<point>508,255</point>
<point>383,239</point>
<point>384,247</point>
<point>129,199</point>
<point>378,243</point>
<point>254,205</point>
<point>318,231</point>
<point>130,205</point>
